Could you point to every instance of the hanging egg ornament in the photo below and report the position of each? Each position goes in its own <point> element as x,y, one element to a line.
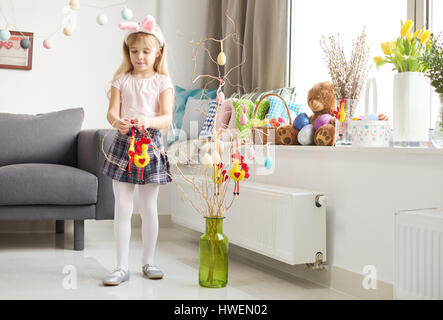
<point>74,4</point>
<point>102,19</point>
<point>220,97</point>
<point>216,157</point>
<point>126,13</point>
<point>268,163</point>
<point>25,43</point>
<point>251,153</point>
<point>207,161</point>
<point>68,31</point>
<point>4,35</point>
<point>221,58</point>
<point>243,118</point>
<point>48,44</point>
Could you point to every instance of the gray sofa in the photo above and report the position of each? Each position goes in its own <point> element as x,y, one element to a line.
<point>51,170</point>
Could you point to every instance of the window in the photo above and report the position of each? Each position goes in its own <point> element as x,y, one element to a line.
<point>309,20</point>
<point>435,11</point>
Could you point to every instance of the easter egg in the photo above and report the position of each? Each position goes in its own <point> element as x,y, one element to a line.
<point>268,163</point>
<point>126,13</point>
<point>281,120</point>
<point>306,135</point>
<point>216,157</point>
<point>322,120</point>
<point>68,31</point>
<point>243,119</point>
<point>220,97</point>
<point>48,44</point>
<point>300,121</point>
<point>372,117</point>
<point>25,43</point>
<point>221,58</point>
<point>5,35</point>
<point>102,19</point>
<point>267,125</point>
<point>74,4</point>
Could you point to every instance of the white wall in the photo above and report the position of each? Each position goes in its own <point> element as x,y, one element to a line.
<point>364,189</point>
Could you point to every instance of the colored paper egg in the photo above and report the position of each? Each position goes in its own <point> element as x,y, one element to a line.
<point>74,4</point>
<point>126,13</point>
<point>373,117</point>
<point>5,35</point>
<point>102,19</point>
<point>207,161</point>
<point>25,43</point>
<point>322,120</point>
<point>281,120</point>
<point>306,135</point>
<point>268,163</point>
<point>300,121</point>
<point>221,58</point>
<point>267,125</point>
<point>68,31</point>
<point>220,97</point>
<point>216,157</point>
<point>48,44</point>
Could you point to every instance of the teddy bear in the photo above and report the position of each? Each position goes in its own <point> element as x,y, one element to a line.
<point>287,135</point>
<point>321,100</point>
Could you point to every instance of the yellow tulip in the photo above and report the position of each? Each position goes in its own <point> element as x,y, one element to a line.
<point>428,42</point>
<point>393,45</point>
<point>424,36</point>
<point>409,37</point>
<point>406,27</point>
<point>377,59</point>
<point>387,48</point>
<point>417,33</point>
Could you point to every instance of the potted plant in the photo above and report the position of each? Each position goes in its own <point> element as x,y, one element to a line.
<point>435,62</point>
<point>411,87</point>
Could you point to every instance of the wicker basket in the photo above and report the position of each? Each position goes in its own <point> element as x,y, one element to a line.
<point>267,135</point>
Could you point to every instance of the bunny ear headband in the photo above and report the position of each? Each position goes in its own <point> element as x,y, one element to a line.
<point>148,26</point>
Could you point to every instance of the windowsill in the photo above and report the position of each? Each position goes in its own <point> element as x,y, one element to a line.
<point>409,150</point>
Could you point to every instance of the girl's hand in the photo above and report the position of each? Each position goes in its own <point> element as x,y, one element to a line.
<point>141,122</point>
<point>123,125</point>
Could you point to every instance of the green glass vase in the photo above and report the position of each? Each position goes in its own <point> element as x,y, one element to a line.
<point>213,271</point>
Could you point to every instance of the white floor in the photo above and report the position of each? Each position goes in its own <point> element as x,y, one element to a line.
<point>44,266</point>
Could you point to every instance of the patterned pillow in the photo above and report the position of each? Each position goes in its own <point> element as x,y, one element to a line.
<point>277,109</point>
<point>287,93</point>
<point>207,131</point>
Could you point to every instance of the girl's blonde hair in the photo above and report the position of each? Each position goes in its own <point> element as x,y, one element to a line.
<point>160,64</point>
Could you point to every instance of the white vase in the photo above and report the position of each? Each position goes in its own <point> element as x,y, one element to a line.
<point>411,109</point>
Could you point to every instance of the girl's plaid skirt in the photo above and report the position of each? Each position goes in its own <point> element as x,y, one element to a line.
<point>156,170</point>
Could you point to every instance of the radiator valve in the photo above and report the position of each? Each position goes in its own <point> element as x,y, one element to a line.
<point>321,200</point>
<point>318,265</point>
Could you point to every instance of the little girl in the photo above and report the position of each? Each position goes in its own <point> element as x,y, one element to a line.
<point>141,92</point>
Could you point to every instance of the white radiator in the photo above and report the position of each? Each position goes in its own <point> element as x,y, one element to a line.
<point>418,263</point>
<point>279,222</point>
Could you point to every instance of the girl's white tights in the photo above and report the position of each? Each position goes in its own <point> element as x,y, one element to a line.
<point>123,194</point>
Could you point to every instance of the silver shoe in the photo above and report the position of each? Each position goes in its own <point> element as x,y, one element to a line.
<point>152,272</point>
<point>117,276</point>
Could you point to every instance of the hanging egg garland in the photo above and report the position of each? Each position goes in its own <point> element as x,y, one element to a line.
<point>48,44</point>
<point>68,30</point>
<point>74,4</point>
<point>25,43</point>
<point>102,19</point>
<point>4,35</point>
<point>126,13</point>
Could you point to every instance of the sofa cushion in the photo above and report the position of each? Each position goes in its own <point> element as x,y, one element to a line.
<point>38,183</point>
<point>42,138</point>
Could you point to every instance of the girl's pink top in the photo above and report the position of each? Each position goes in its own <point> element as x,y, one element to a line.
<point>141,96</point>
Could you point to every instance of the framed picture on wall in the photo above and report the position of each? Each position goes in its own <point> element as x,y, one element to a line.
<point>13,55</point>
